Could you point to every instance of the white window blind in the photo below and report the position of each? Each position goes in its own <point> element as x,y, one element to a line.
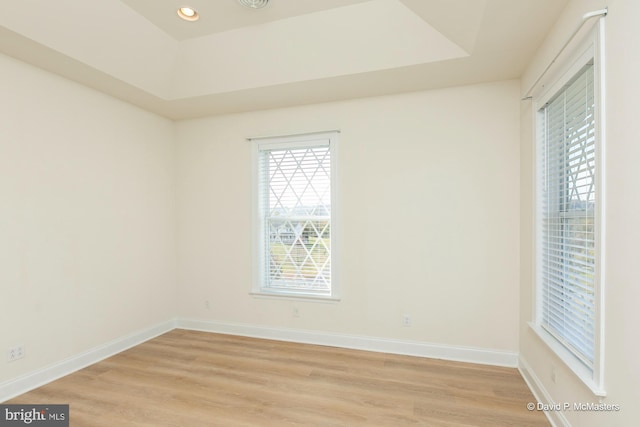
<point>295,215</point>
<point>568,206</point>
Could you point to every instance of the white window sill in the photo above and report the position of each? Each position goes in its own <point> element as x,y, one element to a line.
<point>578,368</point>
<point>293,296</point>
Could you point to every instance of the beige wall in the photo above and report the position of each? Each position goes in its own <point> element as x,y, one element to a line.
<point>428,211</point>
<point>622,349</point>
<point>87,224</point>
<point>89,229</point>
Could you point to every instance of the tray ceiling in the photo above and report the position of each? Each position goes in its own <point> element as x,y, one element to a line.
<point>291,52</point>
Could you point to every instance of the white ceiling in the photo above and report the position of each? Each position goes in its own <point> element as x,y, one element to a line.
<point>292,52</point>
<point>223,15</point>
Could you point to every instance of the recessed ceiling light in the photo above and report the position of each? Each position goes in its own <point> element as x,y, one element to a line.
<point>254,4</point>
<point>188,14</point>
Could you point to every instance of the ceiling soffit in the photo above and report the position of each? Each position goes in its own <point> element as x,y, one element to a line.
<point>458,20</point>
<point>364,37</point>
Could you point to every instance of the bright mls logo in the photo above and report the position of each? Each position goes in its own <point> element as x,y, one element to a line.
<point>34,415</point>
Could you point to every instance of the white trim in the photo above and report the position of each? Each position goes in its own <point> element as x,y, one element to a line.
<point>601,148</point>
<point>585,18</point>
<point>556,418</point>
<point>324,138</point>
<point>590,47</point>
<point>570,360</point>
<point>40,377</point>
<point>291,135</point>
<point>357,342</point>
<point>293,297</point>
<point>336,230</point>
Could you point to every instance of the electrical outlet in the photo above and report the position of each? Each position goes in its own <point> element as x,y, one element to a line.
<point>207,305</point>
<point>15,353</point>
<point>296,312</point>
<point>406,320</point>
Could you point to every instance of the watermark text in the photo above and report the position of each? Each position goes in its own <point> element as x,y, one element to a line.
<point>573,406</point>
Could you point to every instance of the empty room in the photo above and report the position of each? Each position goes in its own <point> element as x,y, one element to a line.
<point>319,212</point>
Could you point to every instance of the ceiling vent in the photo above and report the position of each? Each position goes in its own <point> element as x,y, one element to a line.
<point>254,4</point>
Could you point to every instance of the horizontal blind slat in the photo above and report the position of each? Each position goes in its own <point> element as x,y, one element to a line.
<point>296,198</point>
<point>568,196</point>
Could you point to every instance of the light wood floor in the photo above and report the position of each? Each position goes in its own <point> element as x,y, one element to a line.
<point>191,379</point>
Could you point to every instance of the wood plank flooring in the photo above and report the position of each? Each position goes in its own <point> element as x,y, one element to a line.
<point>191,379</point>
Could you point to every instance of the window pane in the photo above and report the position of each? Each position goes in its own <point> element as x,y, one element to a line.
<point>568,209</point>
<point>297,219</point>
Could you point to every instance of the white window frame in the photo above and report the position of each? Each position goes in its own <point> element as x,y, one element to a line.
<point>590,49</point>
<point>259,245</point>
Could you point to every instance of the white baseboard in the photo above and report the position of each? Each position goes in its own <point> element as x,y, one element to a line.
<point>556,418</point>
<point>358,342</point>
<point>23,384</point>
<point>20,385</point>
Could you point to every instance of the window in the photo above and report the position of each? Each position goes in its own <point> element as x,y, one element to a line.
<point>568,258</point>
<point>295,224</point>
<point>569,206</point>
